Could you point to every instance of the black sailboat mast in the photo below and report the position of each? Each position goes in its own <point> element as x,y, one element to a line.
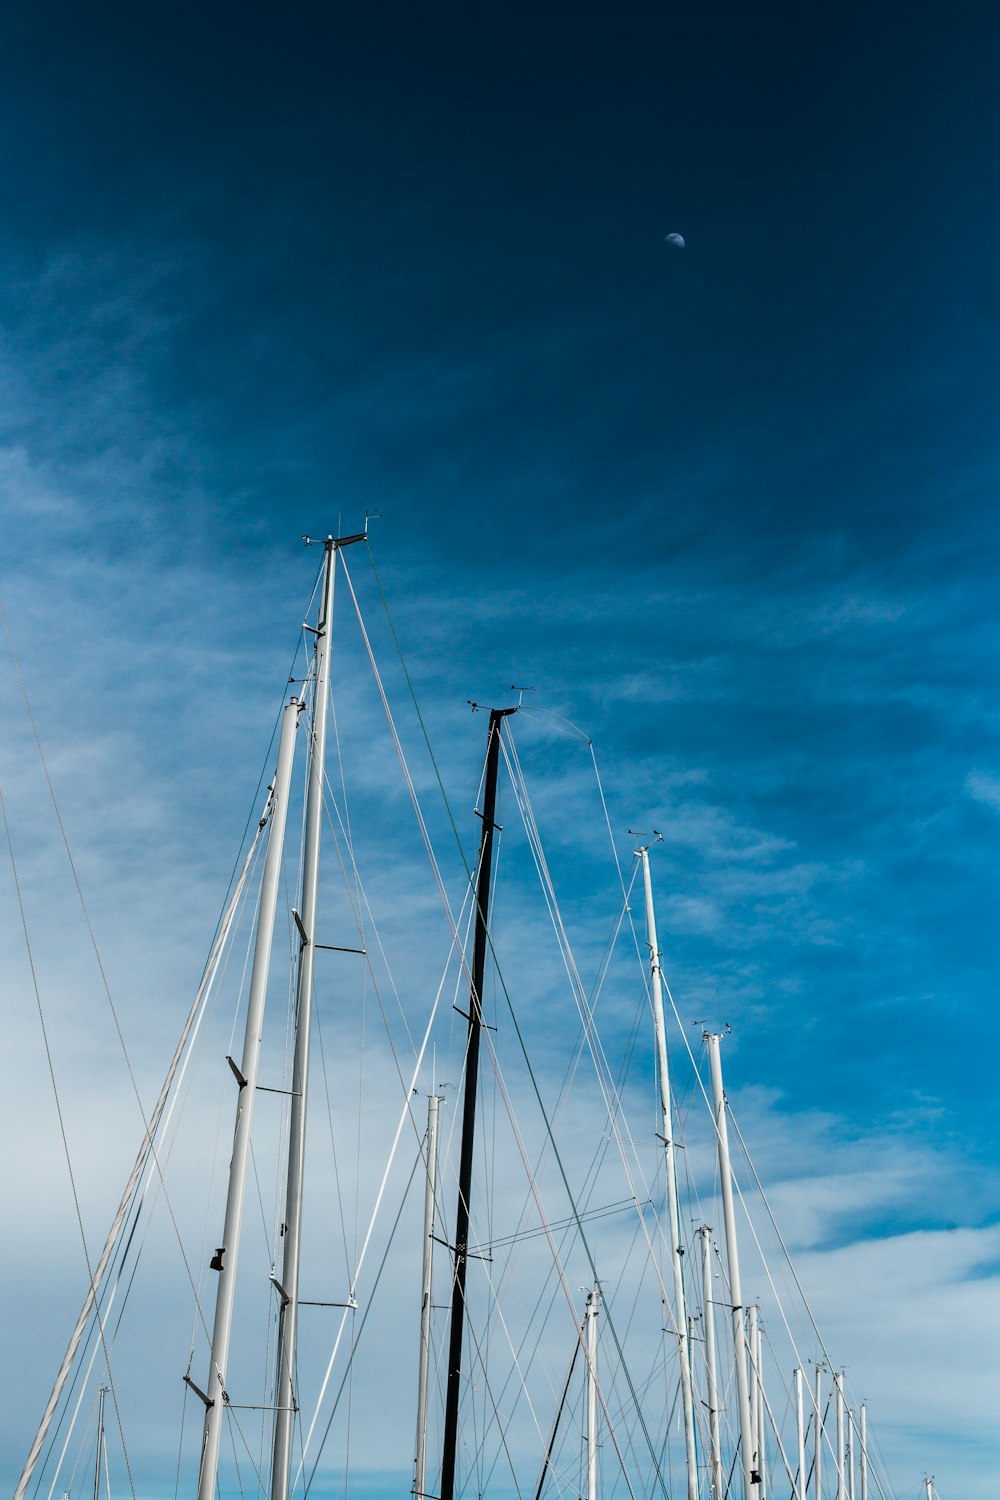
<point>461,1244</point>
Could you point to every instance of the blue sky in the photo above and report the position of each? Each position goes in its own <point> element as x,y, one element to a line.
<point>732,508</point>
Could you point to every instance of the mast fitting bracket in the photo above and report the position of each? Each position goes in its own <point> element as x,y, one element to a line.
<point>237,1074</point>
<point>209,1403</point>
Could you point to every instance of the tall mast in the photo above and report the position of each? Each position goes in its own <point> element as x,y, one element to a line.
<point>850,1455</point>
<point>754,1386</point>
<point>420,1463</point>
<point>227,1255</point>
<point>711,1379</point>
<point>733,1263</point>
<point>838,1387</point>
<point>800,1437</point>
<point>288,1286</point>
<point>818,1434</point>
<point>673,1211</point>
<point>590,1323</point>
<point>461,1246</point>
<point>864,1451</point>
<point>100,1443</point>
<point>757,1350</point>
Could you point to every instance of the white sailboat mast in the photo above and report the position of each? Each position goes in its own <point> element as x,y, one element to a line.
<point>100,1443</point>
<point>733,1265</point>
<point>838,1387</point>
<point>590,1320</point>
<point>753,1382</point>
<point>711,1377</point>
<point>673,1212</point>
<point>425,1304</point>
<point>800,1437</point>
<point>818,1435</point>
<point>864,1451</point>
<point>757,1355</point>
<point>288,1286</point>
<point>227,1255</point>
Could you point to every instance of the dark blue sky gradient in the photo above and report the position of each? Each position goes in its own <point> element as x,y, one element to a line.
<point>416,261</point>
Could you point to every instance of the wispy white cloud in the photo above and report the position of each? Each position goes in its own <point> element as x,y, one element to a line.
<point>984,789</point>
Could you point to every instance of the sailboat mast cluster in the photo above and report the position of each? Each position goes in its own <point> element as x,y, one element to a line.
<point>710,1433</point>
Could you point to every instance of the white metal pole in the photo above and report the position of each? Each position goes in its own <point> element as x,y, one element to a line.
<point>864,1451</point>
<point>288,1288</point>
<point>673,1210</point>
<point>850,1455</point>
<point>929,1488</point>
<point>711,1379</point>
<point>769,1414</point>
<point>800,1437</point>
<point>755,1429</point>
<point>591,1321</point>
<point>758,1359</point>
<point>425,1303</point>
<point>838,1386</point>
<point>227,1255</point>
<point>100,1443</point>
<point>733,1265</point>
<point>818,1435</point>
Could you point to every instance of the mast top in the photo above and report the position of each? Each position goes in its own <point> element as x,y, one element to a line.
<point>641,849</point>
<point>333,543</point>
<point>495,713</point>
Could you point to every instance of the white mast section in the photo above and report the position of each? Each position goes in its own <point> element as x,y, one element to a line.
<point>850,1455</point>
<point>929,1488</point>
<point>733,1263</point>
<point>673,1212</point>
<point>755,1424</point>
<point>288,1287</point>
<point>100,1443</point>
<point>838,1386</point>
<point>864,1451</point>
<point>420,1462</point>
<point>227,1255</point>
<point>590,1322</point>
<point>818,1434</point>
<point>800,1438</point>
<point>759,1429</point>
<point>711,1378</point>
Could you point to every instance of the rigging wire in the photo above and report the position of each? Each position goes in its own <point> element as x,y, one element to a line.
<point>505,991</point>
<point>364,1319</point>
<point>447,805</point>
<point>58,1104</point>
<point>120,1237</point>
